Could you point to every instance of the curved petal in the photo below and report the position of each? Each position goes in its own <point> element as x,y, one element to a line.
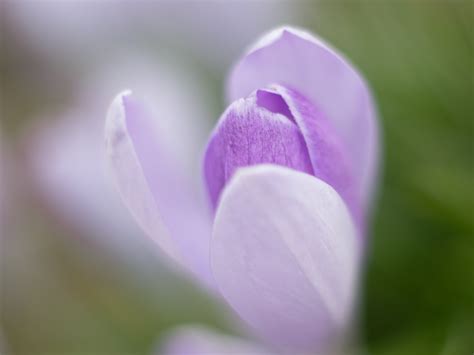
<point>328,157</point>
<point>79,195</point>
<point>249,134</point>
<point>194,340</point>
<point>153,188</point>
<point>299,60</point>
<point>285,257</point>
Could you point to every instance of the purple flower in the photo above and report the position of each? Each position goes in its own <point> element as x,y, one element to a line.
<point>289,174</point>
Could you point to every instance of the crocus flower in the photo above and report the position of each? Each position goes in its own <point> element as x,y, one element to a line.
<point>288,171</point>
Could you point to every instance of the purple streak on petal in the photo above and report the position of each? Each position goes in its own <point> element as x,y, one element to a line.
<point>298,60</point>
<point>306,129</point>
<point>273,102</point>
<point>201,341</point>
<point>284,255</point>
<point>328,157</point>
<point>153,187</point>
<point>249,134</point>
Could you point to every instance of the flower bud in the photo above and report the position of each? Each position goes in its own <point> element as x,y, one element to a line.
<point>277,125</point>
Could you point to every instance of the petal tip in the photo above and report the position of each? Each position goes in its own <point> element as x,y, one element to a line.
<point>276,33</point>
<point>116,116</point>
<point>267,38</point>
<point>114,121</point>
<point>120,97</point>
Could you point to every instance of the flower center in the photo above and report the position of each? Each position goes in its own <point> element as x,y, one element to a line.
<point>273,102</point>
<point>278,125</point>
<point>259,129</point>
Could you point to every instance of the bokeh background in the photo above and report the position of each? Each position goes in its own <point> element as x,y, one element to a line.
<point>78,277</point>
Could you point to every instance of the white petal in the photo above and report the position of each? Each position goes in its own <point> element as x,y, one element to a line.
<point>285,256</point>
<point>130,177</point>
<point>154,190</point>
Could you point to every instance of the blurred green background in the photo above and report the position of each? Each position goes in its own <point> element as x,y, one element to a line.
<point>418,291</point>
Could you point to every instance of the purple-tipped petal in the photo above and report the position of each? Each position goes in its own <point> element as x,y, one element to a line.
<point>153,188</point>
<point>253,131</point>
<point>299,60</point>
<point>285,257</point>
<point>196,340</point>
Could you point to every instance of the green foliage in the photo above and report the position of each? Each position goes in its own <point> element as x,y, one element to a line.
<point>419,288</point>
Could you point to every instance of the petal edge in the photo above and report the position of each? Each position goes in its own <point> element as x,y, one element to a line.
<point>155,192</point>
<point>295,58</point>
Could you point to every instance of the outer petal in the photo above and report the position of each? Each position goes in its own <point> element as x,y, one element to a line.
<point>153,188</point>
<point>297,59</point>
<point>65,151</point>
<point>199,340</point>
<point>284,255</point>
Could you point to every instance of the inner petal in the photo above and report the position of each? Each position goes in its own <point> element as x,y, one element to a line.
<point>278,125</point>
<point>273,102</point>
<point>250,133</point>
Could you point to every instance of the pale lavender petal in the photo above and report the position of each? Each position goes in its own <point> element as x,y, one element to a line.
<point>79,195</point>
<point>196,340</point>
<point>285,256</point>
<point>299,60</point>
<point>157,193</point>
<point>253,131</point>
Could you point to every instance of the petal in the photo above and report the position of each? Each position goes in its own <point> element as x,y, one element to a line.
<point>253,131</point>
<point>297,59</point>
<point>284,256</point>
<point>196,340</point>
<point>329,159</point>
<point>80,196</point>
<point>153,188</point>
